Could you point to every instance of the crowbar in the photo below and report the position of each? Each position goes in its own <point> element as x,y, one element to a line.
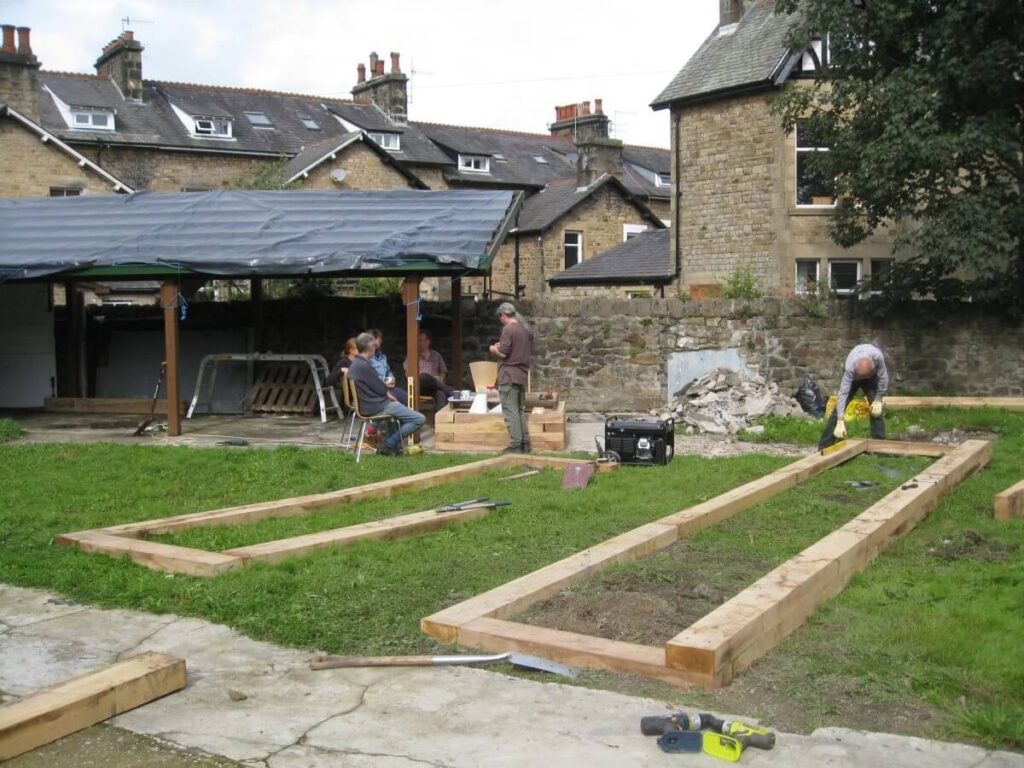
<point>459,660</point>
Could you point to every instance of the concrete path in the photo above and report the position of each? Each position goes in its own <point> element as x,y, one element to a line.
<point>260,704</point>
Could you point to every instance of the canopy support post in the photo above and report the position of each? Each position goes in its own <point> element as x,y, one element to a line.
<point>169,303</point>
<point>410,297</point>
<point>456,368</point>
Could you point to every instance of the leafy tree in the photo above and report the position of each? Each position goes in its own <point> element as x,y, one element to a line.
<point>922,107</point>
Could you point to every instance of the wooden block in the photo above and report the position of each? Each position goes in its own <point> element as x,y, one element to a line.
<point>908,448</point>
<point>388,528</point>
<point>133,406</point>
<point>903,403</point>
<point>158,557</point>
<point>75,704</point>
<point>574,649</point>
<point>1010,503</point>
<point>743,629</point>
<point>519,594</point>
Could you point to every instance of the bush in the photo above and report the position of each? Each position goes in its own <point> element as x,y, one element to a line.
<point>741,284</point>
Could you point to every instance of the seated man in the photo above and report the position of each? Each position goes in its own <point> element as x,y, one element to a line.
<point>433,372</point>
<point>376,400</point>
<point>379,361</point>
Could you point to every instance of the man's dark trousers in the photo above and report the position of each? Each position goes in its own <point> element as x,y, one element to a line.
<point>870,389</point>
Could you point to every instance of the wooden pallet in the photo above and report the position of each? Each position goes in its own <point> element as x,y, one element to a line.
<point>714,649</point>
<point>458,430</point>
<point>1010,503</point>
<point>283,388</point>
<point>130,539</point>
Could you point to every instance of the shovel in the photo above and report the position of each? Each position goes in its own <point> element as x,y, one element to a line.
<point>515,659</point>
<point>152,406</point>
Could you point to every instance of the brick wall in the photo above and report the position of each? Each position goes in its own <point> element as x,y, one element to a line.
<point>612,355</point>
<point>28,167</point>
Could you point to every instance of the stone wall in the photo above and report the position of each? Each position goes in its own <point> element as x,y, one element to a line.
<point>613,355</point>
<point>364,169</point>
<point>29,168</point>
<point>159,171</point>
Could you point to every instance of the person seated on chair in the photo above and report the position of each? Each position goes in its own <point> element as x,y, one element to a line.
<point>433,372</point>
<point>343,364</point>
<point>379,361</point>
<point>864,370</point>
<point>375,399</point>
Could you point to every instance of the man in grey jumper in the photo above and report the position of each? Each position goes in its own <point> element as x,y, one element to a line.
<point>864,370</point>
<point>376,400</point>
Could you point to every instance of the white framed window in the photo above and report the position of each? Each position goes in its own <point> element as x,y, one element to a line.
<point>540,159</point>
<point>92,120</point>
<point>259,120</point>
<point>310,123</point>
<point>663,180</point>
<point>807,275</point>
<point>389,141</point>
<point>813,187</point>
<point>219,127</point>
<point>65,191</point>
<point>632,230</point>
<point>573,248</point>
<point>818,53</point>
<point>844,275</point>
<point>475,163</point>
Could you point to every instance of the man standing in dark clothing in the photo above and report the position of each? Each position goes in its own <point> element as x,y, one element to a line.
<point>865,370</point>
<point>376,400</point>
<point>516,352</point>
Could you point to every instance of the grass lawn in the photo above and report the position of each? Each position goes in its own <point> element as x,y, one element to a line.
<point>9,430</point>
<point>935,623</point>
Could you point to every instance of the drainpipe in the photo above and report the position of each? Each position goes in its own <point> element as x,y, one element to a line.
<point>515,289</point>
<point>675,223</point>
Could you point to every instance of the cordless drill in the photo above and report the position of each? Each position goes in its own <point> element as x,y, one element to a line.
<point>747,735</point>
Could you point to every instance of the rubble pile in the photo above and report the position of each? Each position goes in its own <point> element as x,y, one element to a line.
<point>723,401</point>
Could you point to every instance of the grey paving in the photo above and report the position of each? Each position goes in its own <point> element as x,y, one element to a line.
<point>260,704</point>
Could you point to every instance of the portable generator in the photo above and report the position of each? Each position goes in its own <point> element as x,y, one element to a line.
<point>640,441</point>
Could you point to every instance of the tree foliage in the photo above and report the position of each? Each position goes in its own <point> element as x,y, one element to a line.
<point>922,107</point>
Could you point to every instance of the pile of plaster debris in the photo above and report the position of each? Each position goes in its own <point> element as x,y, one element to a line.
<point>724,401</point>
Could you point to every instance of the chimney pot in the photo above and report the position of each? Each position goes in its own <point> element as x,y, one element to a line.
<point>586,107</point>
<point>24,43</point>
<point>9,39</point>
<point>361,73</point>
<point>373,64</point>
<point>395,68</point>
<point>380,67</point>
<point>598,107</point>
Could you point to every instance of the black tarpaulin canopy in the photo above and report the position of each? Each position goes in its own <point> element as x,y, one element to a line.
<point>248,233</point>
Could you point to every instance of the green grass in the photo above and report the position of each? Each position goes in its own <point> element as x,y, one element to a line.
<point>9,430</point>
<point>912,627</point>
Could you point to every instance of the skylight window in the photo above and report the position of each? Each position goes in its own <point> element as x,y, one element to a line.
<point>310,123</point>
<point>475,163</point>
<point>500,157</point>
<point>664,180</point>
<point>92,120</point>
<point>259,120</point>
<point>540,159</point>
<point>218,127</point>
<point>389,141</point>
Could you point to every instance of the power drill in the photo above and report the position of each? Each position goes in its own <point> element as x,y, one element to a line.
<point>747,735</point>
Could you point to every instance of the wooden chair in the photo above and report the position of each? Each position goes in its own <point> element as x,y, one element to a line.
<point>351,396</point>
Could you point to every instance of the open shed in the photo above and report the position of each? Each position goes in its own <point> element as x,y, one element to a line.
<point>409,234</point>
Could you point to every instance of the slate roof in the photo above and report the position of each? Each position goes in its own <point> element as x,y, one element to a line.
<point>641,259</point>
<point>751,56</point>
<point>414,145</point>
<point>558,198</point>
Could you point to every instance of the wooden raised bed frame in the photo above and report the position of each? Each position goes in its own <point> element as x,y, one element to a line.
<point>1009,503</point>
<point>459,430</point>
<point>130,539</point>
<point>715,648</point>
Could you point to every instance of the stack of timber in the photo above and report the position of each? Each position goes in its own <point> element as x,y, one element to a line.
<point>459,430</point>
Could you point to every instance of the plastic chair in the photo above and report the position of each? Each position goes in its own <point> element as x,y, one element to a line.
<point>352,399</point>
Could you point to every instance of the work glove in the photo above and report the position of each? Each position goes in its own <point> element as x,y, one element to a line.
<point>840,430</point>
<point>876,408</point>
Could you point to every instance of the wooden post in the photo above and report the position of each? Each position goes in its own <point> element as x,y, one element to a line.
<point>75,309</point>
<point>456,368</point>
<point>169,302</point>
<point>410,294</point>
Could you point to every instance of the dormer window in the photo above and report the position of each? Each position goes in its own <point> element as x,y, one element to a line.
<point>219,127</point>
<point>475,163</point>
<point>92,120</point>
<point>310,123</point>
<point>540,159</point>
<point>389,141</point>
<point>663,180</point>
<point>500,157</point>
<point>259,120</point>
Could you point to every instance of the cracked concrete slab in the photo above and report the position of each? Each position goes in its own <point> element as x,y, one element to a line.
<point>283,715</point>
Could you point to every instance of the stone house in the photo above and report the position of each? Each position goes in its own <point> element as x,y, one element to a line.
<point>745,196</point>
<point>117,131</point>
<point>638,268</point>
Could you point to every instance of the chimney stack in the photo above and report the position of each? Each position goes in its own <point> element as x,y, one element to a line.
<point>19,72</point>
<point>729,12</point>
<point>389,91</point>
<point>121,61</point>
<point>577,121</point>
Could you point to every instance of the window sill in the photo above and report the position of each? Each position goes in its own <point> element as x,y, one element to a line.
<point>812,210</point>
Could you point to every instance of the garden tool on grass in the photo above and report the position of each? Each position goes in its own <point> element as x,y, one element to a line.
<point>481,503</point>
<point>460,660</point>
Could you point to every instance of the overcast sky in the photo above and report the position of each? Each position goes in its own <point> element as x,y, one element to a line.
<point>481,62</point>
